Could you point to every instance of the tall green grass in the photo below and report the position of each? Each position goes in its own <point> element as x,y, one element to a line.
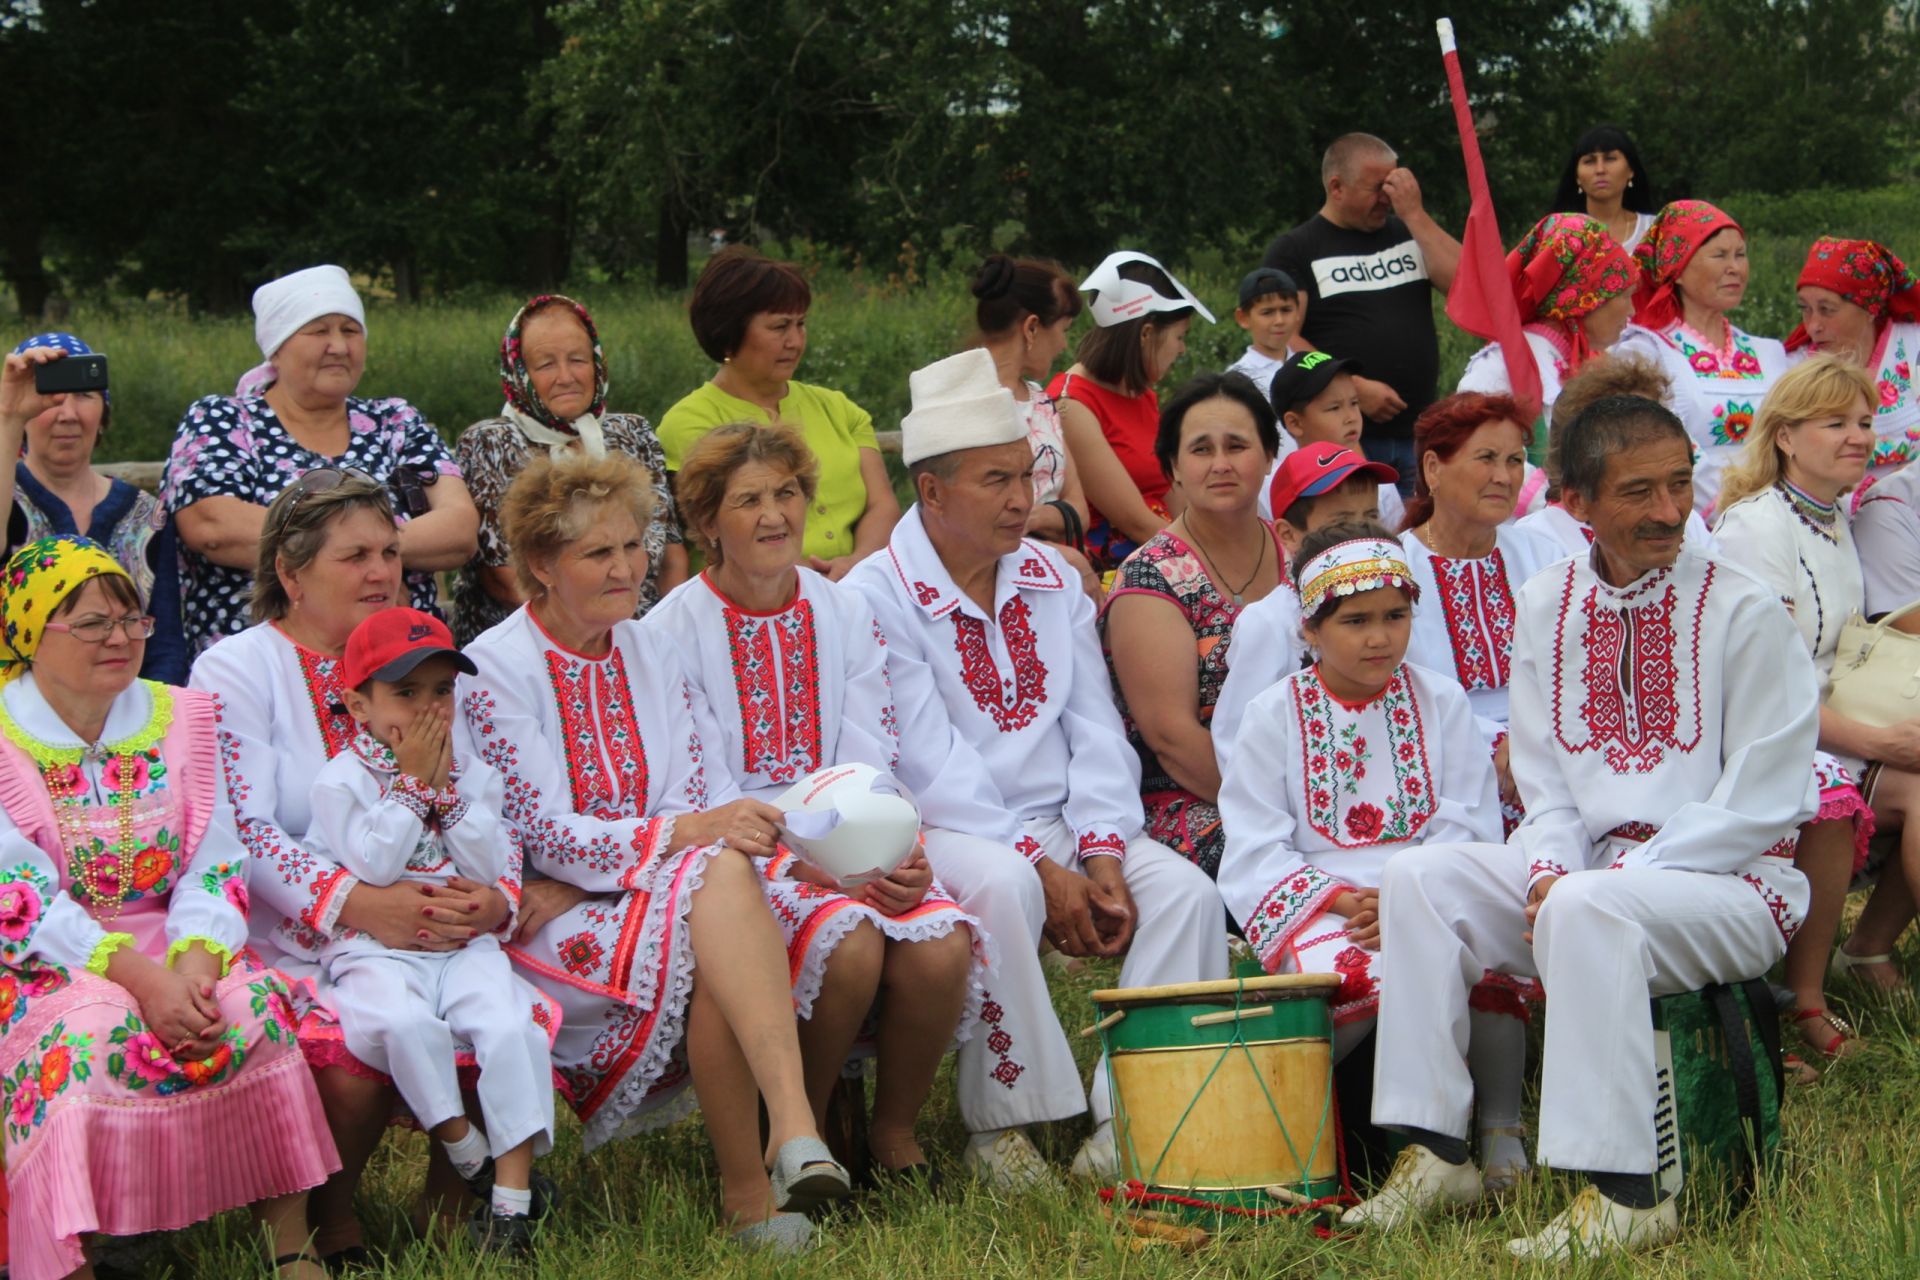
<point>867,330</point>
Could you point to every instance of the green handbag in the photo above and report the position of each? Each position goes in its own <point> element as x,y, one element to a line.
<point>1720,1080</point>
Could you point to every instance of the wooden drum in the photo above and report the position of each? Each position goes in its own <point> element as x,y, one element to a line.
<point>1224,1090</point>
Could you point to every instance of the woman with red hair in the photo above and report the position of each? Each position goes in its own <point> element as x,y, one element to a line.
<point>1693,270</point>
<point>1860,302</point>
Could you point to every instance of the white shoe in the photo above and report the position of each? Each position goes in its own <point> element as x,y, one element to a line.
<point>1503,1158</point>
<point>1098,1160</point>
<point>1420,1185</point>
<point>1007,1160</point>
<point>1594,1225</point>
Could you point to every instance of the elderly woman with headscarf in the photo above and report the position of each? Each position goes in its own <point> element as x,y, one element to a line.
<point>150,1073</point>
<point>1693,270</point>
<point>233,454</point>
<point>1858,301</point>
<point>555,379</point>
<point>54,489</point>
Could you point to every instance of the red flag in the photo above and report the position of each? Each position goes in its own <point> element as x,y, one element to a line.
<point>1481,299</point>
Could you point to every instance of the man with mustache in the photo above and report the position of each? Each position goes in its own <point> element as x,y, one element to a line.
<point>1663,728</point>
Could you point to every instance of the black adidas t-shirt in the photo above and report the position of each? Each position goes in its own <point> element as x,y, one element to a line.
<point>1367,299</point>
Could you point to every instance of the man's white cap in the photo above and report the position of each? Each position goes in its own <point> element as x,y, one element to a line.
<point>1118,300</point>
<point>958,403</point>
<point>281,307</point>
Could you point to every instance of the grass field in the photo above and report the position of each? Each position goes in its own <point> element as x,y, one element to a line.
<point>867,330</point>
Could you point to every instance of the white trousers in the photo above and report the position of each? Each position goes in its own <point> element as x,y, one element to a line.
<point>1604,943</point>
<point>1017,1067</point>
<point>401,1012</point>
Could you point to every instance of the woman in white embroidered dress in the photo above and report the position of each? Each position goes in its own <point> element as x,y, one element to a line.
<point>1786,523</point>
<point>1467,560</point>
<point>800,683</point>
<point>632,870</point>
<point>1693,270</point>
<point>1373,755</point>
<point>1860,302</point>
<point>329,556</point>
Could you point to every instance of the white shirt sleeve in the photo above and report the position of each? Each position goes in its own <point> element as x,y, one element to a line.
<point>370,831</point>
<point>1103,775</point>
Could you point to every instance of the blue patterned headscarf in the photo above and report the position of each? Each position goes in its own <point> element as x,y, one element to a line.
<point>61,342</point>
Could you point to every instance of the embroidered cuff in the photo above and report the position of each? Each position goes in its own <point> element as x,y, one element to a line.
<point>1101,844</point>
<point>413,795</point>
<point>329,897</point>
<point>1030,849</point>
<point>103,952</point>
<point>1286,909</point>
<point>450,809</point>
<point>1540,868</point>
<point>219,950</point>
<point>650,839</point>
<point>511,892</point>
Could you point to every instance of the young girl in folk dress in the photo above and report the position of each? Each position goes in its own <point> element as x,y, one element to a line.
<point>1371,755</point>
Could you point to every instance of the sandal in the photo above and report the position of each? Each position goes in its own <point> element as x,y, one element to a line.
<point>1797,1070</point>
<point>1844,1041</point>
<point>1844,961</point>
<point>805,1176</point>
<point>298,1255</point>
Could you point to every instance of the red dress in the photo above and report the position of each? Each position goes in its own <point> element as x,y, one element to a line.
<point>1130,424</point>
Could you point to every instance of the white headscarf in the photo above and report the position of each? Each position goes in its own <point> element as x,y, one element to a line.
<point>281,307</point>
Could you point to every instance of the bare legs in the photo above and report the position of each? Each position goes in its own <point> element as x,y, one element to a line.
<point>285,1220</point>
<point>1890,909</point>
<point>847,990</point>
<point>926,986</point>
<point>1825,857</point>
<point>741,1040</point>
<point>357,1111</point>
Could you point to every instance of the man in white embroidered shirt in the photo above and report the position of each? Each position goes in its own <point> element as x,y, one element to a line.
<point>1663,738</point>
<point>1011,741</point>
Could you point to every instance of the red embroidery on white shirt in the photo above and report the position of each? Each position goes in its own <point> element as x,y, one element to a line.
<point>1631,675</point>
<point>983,678</point>
<point>776,679</point>
<point>1477,600</point>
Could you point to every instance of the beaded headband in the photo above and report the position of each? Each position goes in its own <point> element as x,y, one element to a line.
<point>1348,568</point>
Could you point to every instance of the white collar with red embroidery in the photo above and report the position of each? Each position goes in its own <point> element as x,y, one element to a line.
<point>928,584</point>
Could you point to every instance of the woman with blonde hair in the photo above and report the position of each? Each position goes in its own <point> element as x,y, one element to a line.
<point>635,874</point>
<point>1784,521</point>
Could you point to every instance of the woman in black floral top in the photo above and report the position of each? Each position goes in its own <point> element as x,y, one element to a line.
<point>554,377</point>
<point>232,455</point>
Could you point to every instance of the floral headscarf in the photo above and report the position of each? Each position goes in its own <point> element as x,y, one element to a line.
<point>1865,273</point>
<point>526,410</point>
<point>38,577</point>
<point>1568,267</point>
<point>1676,235</point>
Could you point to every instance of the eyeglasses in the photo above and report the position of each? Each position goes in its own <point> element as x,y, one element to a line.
<point>100,630</point>
<point>318,480</point>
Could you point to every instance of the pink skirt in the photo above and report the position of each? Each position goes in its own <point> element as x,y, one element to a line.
<point>105,1132</point>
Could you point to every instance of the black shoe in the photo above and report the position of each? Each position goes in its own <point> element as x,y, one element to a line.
<point>546,1193</point>
<point>501,1233</point>
<point>349,1261</point>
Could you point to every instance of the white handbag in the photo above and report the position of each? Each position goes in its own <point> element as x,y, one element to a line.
<point>1876,671</point>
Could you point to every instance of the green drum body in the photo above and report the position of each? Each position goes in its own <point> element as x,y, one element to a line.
<point>1223,1091</point>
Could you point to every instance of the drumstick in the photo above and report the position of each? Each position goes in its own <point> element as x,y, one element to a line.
<point>1149,1226</point>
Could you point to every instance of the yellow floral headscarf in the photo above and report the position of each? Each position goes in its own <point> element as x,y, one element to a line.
<point>38,577</point>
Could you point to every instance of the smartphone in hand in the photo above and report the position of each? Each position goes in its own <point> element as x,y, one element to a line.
<point>74,373</point>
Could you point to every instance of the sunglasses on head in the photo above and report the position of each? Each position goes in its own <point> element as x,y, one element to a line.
<point>318,480</point>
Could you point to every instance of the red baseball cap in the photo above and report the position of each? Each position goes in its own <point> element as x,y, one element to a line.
<point>1314,469</point>
<point>389,644</point>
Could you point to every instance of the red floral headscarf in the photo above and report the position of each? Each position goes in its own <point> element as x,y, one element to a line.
<point>1676,235</point>
<point>1565,269</point>
<point>1865,273</point>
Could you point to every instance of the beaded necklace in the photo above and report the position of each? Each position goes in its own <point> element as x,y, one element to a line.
<point>1821,517</point>
<point>104,872</point>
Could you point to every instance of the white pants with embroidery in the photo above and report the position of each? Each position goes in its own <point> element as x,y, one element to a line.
<point>1604,943</point>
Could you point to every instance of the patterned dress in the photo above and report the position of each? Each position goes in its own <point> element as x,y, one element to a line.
<point>236,446</point>
<point>96,1107</point>
<point>599,756</point>
<point>1165,566</point>
<point>491,453</point>
<point>789,692</point>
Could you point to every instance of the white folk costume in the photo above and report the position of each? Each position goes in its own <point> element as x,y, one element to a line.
<point>1267,648</point>
<point>401,1012</point>
<point>1803,549</point>
<point>1896,419</point>
<point>1011,741</point>
<point>283,717</point>
<point>1663,735</point>
<point>789,692</point>
<point>598,756</point>
<point>1886,536</point>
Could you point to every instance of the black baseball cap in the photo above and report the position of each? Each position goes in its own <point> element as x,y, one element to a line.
<point>1304,376</point>
<point>1261,281</point>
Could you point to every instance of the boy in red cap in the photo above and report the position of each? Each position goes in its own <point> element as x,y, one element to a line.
<point>396,805</point>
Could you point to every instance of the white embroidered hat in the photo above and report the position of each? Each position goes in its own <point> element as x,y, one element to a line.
<point>958,403</point>
<point>1348,568</point>
<point>1118,299</point>
<point>281,306</point>
<point>853,821</point>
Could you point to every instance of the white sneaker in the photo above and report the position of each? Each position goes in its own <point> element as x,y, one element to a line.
<point>1007,1160</point>
<point>1098,1160</point>
<point>1594,1225</point>
<point>1503,1158</point>
<point>1420,1185</point>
